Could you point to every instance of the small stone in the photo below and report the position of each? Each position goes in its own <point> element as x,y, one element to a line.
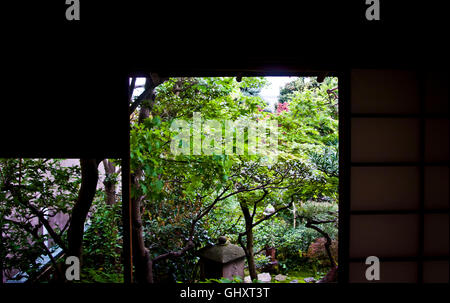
<point>280,277</point>
<point>264,277</point>
<point>294,281</point>
<point>309,280</point>
<point>222,240</point>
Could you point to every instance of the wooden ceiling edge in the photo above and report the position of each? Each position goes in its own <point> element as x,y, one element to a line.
<point>254,72</point>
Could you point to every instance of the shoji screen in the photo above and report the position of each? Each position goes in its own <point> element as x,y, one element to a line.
<point>399,175</point>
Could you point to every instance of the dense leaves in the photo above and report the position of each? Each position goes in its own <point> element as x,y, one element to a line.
<point>200,197</point>
<point>102,243</point>
<point>33,191</point>
<point>36,200</point>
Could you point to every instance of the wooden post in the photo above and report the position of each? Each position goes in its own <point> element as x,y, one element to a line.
<point>295,215</point>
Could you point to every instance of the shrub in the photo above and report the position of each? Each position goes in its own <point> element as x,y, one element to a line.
<point>102,243</point>
<point>261,260</point>
<point>236,279</point>
<point>317,252</point>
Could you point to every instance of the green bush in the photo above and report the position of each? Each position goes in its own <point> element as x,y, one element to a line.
<point>236,279</point>
<point>102,244</point>
<point>90,275</point>
<point>261,260</point>
<point>292,243</point>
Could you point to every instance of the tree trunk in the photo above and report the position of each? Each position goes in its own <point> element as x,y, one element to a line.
<point>249,245</point>
<point>110,186</point>
<point>328,242</point>
<point>141,257</point>
<point>251,256</point>
<point>89,179</point>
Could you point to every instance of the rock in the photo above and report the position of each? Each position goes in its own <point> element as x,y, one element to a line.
<point>223,259</point>
<point>310,280</point>
<point>280,277</point>
<point>222,253</point>
<point>271,267</point>
<point>264,277</point>
<point>294,281</point>
<point>222,240</point>
<point>331,276</point>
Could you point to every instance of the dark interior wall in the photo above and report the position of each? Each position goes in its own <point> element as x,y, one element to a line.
<point>399,175</point>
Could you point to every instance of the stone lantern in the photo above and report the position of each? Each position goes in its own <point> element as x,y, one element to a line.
<point>221,260</point>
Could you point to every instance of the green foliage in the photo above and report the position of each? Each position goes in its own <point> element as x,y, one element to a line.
<point>236,279</point>
<point>312,114</point>
<point>261,260</point>
<point>31,187</point>
<point>251,86</point>
<point>327,160</point>
<point>299,274</point>
<point>28,187</point>
<point>319,211</point>
<point>177,188</point>
<point>292,243</point>
<point>90,275</point>
<point>102,241</point>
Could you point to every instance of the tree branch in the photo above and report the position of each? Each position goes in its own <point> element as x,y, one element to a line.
<point>154,81</point>
<point>190,243</point>
<point>272,214</point>
<point>38,214</point>
<point>131,88</point>
<point>33,232</point>
<point>256,202</point>
<point>310,224</point>
<point>147,92</point>
<point>173,254</point>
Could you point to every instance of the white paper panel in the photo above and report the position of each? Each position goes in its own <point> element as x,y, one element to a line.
<point>436,272</point>
<point>436,235</point>
<point>436,187</point>
<point>384,91</point>
<point>437,92</point>
<point>377,188</point>
<point>390,272</point>
<point>383,235</point>
<point>437,140</point>
<point>384,139</point>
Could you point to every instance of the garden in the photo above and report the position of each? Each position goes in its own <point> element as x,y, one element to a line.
<point>211,159</point>
<point>279,205</point>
